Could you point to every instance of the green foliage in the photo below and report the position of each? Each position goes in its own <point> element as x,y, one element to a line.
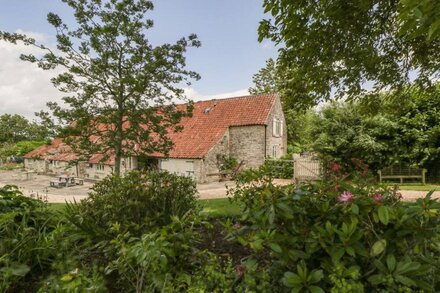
<point>226,164</point>
<point>17,128</point>
<point>299,122</point>
<point>420,18</point>
<point>138,234</point>
<point>12,199</point>
<point>160,260</point>
<point>266,81</point>
<point>331,49</point>
<point>26,246</point>
<point>118,86</point>
<point>300,125</point>
<point>20,148</point>
<point>381,134</point>
<point>343,132</point>
<point>419,118</point>
<point>279,168</point>
<point>134,203</point>
<point>339,235</point>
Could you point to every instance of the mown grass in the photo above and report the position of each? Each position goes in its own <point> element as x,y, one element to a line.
<point>418,187</point>
<point>219,207</point>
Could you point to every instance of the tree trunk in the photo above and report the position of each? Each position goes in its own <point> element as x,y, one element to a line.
<point>118,149</point>
<point>118,165</point>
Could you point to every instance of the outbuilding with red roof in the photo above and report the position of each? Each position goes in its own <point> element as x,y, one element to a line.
<point>249,129</point>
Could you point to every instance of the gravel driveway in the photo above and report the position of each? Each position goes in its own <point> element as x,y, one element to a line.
<point>38,186</point>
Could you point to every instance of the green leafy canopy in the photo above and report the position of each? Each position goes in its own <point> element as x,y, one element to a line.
<point>344,48</point>
<point>120,89</point>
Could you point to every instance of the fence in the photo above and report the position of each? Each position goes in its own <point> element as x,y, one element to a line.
<point>306,167</point>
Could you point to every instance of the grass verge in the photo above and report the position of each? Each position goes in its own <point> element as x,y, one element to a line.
<point>418,187</point>
<point>219,207</point>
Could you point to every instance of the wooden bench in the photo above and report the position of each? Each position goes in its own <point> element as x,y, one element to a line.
<point>402,173</point>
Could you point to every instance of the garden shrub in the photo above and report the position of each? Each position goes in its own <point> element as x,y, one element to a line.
<point>12,199</point>
<point>135,203</point>
<point>339,235</point>
<point>279,168</point>
<point>168,260</point>
<point>26,245</point>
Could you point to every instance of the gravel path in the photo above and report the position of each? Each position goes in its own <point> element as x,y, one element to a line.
<point>38,186</point>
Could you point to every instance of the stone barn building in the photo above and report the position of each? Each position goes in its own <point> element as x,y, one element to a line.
<point>249,129</point>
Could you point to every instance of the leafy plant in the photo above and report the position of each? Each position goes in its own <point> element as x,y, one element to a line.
<point>279,168</point>
<point>135,203</point>
<point>335,234</point>
<point>26,244</point>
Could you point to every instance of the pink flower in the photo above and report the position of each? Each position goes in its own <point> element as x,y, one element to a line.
<point>240,270</point>
<point>236,226</point>
<point>378,197</point>
<point>334,167</point>
<point>346,197</point>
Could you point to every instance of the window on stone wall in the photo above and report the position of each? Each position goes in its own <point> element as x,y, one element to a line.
<point>100,167</point>
<point>275,151</point>
<point>277,127</point>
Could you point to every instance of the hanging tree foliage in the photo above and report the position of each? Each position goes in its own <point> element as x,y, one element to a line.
<point>341,48</point>
<point>120,89</point>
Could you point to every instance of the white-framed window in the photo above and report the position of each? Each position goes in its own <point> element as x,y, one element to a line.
<point>100,167</point>
<point>275,151</point>
<point>277,127</point>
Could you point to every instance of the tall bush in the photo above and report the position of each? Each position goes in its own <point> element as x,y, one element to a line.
<point>339,235</point>
<point>134,203</point>
<point>26,244</point>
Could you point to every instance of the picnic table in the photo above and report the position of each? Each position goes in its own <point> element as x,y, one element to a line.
<point>66,181</point>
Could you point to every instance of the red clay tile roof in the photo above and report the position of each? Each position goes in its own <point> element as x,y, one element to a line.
<point>209,122</point>
<point>211,119</point>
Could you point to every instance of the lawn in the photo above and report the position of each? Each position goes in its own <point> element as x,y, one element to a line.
<point>220,207</point>
<point>418,187</point>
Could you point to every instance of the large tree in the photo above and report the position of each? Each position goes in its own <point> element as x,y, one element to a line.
<point>299,121</point>
<point>266,80</point>
<point>344,131</point>
<point>120,89</point>
<point>342,48</point>
<point>15,128</point>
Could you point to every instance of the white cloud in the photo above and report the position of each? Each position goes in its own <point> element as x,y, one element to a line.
<point>24,88</point>
<point>194,95</point>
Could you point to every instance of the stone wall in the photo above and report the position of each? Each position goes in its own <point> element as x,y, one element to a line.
<point>62,168</point>
<point>97,171</point>
<point>209,166</point>
<point>247,144</point>
<point>276,146</point>
<point>50,167</point>
<point>37,165</point>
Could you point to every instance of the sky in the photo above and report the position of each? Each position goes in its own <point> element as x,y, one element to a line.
<point>230,53</point>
